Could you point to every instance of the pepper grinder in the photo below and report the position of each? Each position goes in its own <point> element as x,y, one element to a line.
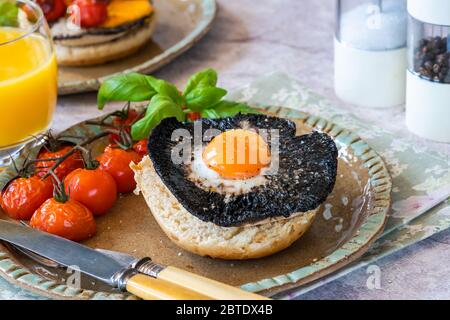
<point>428,75</point>
<point>370,52</point>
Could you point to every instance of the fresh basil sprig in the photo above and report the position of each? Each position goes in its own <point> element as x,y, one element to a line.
<point>133,87</point>
<point>200,95</point>
<point>203,79</point>
<point>167,89</point>
<point>203,98</point>
<point>9,13</point>
<point>160,107</point>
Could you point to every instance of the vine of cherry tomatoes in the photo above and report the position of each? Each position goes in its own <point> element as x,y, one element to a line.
<point>73,162</point>
<point>68,189</point>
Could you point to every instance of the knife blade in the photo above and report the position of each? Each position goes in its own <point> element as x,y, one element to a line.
<point>62,251</point>
<point>93,263</point>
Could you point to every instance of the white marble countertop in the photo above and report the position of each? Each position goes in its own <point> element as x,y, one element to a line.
<point>252,38</point>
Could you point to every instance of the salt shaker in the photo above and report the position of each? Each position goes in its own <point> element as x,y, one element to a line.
<point>370,52</point>
<point>428,75</point>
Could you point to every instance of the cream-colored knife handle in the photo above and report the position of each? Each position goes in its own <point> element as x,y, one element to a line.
<point>149,288</point>
<point>208,287</point>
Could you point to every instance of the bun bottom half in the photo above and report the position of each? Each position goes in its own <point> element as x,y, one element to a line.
<point>105,52</point>
<point>207,239</point>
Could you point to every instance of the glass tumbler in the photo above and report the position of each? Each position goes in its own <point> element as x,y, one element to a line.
<point>28,76</point>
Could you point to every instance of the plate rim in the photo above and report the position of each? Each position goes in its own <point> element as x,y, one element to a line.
<point>15,273</point>
<point>209,13</point>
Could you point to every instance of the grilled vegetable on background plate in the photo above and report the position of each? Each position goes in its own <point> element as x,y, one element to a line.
<point>89,32</point>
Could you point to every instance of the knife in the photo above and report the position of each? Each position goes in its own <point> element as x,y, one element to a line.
<point>208,287</point>
<point>93,263</point>
<point>188,282</point>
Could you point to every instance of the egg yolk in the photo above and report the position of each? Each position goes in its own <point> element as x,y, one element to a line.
<point>237,154</point>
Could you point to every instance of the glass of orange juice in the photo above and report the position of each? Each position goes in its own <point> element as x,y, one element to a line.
<point>28,76</point>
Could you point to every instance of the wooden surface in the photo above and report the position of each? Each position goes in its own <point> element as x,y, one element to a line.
<point>296,37</point>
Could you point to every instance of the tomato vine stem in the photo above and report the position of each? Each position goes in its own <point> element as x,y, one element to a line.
<point>74,149</point>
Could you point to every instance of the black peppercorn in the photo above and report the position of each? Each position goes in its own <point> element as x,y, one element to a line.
<point>428,65</point>
<point>431,59</point>
<point>436,68</point>
<point>441,59</point>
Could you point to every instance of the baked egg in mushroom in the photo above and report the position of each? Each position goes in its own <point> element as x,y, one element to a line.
<point>247,187</point>
<point>238,175</point>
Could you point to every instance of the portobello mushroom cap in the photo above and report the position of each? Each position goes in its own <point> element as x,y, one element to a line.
<point>306,175</point>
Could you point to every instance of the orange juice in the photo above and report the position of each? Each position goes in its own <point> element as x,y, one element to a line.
<point>28,85</point>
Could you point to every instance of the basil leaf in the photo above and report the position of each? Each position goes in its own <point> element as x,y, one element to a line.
<point>205,78</point>
<point>8,14</point>
<point>166,89</point>
<point>210,114</point>
<point>204,98</point>
<point>226,109</point>
<point>128,87</point>
<point>161,107</point>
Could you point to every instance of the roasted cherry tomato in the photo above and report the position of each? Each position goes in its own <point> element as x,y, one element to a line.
<point>89,13</point>
<point>73,162</point>
<point>125,123</point>
<point>116,161</point>
<point>132,115</point>
<point>193,116</point>
<point>94,188</point>
<point>23,196</point>
<point>69,219</point>
<point>141,147</point>
<point>53,9</point>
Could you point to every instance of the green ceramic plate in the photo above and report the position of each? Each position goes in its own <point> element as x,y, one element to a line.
<point>180,24</point>
<point>353,216</point>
